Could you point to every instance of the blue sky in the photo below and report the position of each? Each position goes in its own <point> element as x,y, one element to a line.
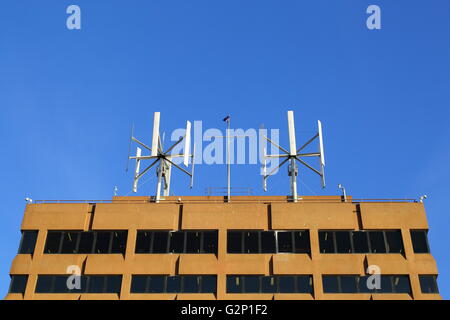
<point>68,97</point>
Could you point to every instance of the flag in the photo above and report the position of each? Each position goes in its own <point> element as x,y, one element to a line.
<point>226,119</point>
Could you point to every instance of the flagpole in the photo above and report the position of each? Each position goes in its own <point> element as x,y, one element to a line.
<point>228,161</point>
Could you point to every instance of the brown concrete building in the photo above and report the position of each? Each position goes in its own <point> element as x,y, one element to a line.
<point>204,248</point>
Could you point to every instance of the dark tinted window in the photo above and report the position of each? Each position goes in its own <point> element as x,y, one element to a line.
<point>268,284</point>
<point>326,242</point>
<point>191,284</point>
<point>53,242</point>
<point>377,244</point>
<point>234,242</point>
<point>330,284</point>
<point>119,242</point>
<point>160,239</point>
<point>251,243</point>
<point>18,284</point>
<point>113,284</point>
<point>301,239</point>
<point>173,284</point>
<point>251,284</point>
<point>70,241</point>
<point>96,284</point>
<point>285,241</point>
<point>348,284</point>
<point>428,284</point>
<point>143,241</point>
<point>394,240</point>
<point>28,242</point>
<point>304,284</point>
<point>286,284</point>
<point>210,242</point>
<point>386,284</point>
<point>86,242</point>
<point>177,242</point>
<point>419,241</point>
<point>268,242</point>
<point>139,284</point>
<point>193,242</point>
<point>209,284</point>
<point>102,242</point>
<point>156,284</point>
<point>343,244</point>
<point>44,284</point>
<point>60,284</point>
<point>360,242</point>
<point>362,285</point>
<point>401,284</point>
<point>234,284</point>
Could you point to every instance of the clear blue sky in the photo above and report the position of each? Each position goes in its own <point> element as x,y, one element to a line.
<point>68,98</point>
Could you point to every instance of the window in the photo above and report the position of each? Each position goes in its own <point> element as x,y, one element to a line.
<point>191,284</point>
<point>89,284</point>
<point>234,242</point>
<point>428,284</point>
<point>330,284</point>
<point>358,284</point>
<point>102,242</point>
<point>420,241</point>
<point>360,242</point>
<point>326,241</point>
<point>343,244</point>
<point>77,242</point>
<point>53,242</point>
<point>377,244</point>
<point>18,284</point>
<point>251,284</point>
<point>160,242</point>
<point>28,242</point>
<point>268,242</point>
<point>286,284</point>
<point>86,242</point>
<point>401,284</point>
<point>209,284</point>
<point>139,284</point>
<point>69,242</point>
<point>304,284</point>
<point>301,239</point>
<point>177,242</point>
<point>251,244</point>
<point>193,242</point>
<point>210,242</point>
<point>119,242</point>
<point>173,284</point>
<point>394,241</point>
<point>285,241</point>
<point>234,284</point>
<point>269,284</point>
<point>143,241</point>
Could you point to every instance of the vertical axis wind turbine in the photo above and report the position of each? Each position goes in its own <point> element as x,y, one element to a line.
<point>164,158</point>
<point>294,155</point>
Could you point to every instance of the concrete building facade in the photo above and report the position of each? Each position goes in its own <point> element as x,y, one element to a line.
<point>201,247</point>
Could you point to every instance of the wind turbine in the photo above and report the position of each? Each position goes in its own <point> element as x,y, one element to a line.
<point>294,155</point>
<point>163,158</point>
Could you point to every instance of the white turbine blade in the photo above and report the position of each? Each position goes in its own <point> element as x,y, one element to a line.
<point>291,127</point>
<point>155,137</point>
<point>322,154</point>
<point>136,171</point>
<point>187,143</point>
<point>264,170</point>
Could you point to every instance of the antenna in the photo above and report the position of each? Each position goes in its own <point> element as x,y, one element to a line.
<point>164,159</point>
<point>294,155</point>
